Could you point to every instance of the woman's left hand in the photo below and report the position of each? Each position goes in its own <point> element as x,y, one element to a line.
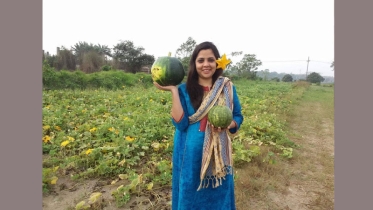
<point>219,129</point>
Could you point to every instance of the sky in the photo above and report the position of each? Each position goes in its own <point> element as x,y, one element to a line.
<point>282,34</point>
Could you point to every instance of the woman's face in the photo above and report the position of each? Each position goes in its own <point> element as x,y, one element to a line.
<point>205,64</point>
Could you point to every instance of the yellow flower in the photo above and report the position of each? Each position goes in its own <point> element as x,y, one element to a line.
<point>54,180</point>
<point>129,138</point>
<point>92,130</point>
<point>70,138</point>
<point>57,128</point>
<point>222,62</point>
<point>63,144</point>
<point>111,129</point>
<point>116,132</point>
<point>46,127</point>
<point>46,139</point>
<point>89,151</point>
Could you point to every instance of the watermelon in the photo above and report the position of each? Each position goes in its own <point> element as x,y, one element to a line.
<point>167,70</point>
<point>220,116</point>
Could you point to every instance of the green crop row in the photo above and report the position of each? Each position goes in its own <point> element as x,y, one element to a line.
<point>128,132</point>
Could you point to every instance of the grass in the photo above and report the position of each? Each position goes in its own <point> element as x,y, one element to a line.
<point>310,171</point>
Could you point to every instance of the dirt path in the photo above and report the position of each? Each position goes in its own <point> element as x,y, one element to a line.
<point>311,183</point>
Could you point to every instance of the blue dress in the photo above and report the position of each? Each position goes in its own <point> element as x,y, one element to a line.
<point>186,163</point>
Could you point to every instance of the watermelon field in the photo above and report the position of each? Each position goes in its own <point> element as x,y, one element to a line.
<point>124,136</point>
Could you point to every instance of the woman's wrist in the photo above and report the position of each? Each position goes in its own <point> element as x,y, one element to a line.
<point>232,125</point>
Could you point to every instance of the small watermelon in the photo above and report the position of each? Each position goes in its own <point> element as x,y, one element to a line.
<point>167,70</point>
<point>220,116</point>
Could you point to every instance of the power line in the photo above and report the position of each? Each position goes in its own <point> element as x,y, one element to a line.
<point>285,61</point>
<point>323,62</point>
<point>300,61</point>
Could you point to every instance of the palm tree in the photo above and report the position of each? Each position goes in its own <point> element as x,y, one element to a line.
<point>88,55</point>
<point>83,48</point>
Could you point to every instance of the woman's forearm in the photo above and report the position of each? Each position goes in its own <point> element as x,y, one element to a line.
<point>176,109</point>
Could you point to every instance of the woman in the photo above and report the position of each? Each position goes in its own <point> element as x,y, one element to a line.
<point>202,176</point>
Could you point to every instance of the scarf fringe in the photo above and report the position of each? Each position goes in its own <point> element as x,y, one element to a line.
<point>205,182</point>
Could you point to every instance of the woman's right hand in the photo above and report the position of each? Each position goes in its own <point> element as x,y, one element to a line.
<point>176,109</point>
<point>165,88</point>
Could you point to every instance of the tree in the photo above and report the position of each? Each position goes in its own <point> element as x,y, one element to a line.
<point>91,61</point>
<point>266,74</point>
<point>87,53</point>
<point>287,78</point>
<point>247,66</point>
<point>332,66</point>
<point>51,60</point>
<point>237,53</point>
<point>184,52</point>
<point>315,78</point>
<point>66,60</point>
<point>103,50</point>
<point>275,79</point>
<point>230,67</point>
<point>130,57</point>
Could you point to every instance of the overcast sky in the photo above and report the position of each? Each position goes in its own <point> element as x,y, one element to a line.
<point>282,34</point>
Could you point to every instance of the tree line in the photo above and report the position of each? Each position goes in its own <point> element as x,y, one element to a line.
<point>126,56</point>
<point>90,58</point>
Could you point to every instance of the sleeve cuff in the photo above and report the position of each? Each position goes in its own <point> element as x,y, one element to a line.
<point>177,121</point>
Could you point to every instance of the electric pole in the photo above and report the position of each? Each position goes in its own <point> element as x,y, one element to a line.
<point>308,61</point>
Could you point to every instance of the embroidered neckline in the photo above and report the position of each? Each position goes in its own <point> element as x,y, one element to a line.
<point>205,88</point>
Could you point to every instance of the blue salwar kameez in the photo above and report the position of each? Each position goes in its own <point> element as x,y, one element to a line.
<point>187,157</point>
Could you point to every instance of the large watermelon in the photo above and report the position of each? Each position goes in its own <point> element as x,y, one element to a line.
<point>220,116</point>
<point>167,70</point>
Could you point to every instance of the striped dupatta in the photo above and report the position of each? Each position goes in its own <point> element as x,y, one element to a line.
<point>217,147</point>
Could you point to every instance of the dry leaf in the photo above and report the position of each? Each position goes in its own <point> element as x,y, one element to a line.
<point>81,205</point>
<point>114,181</point>
<point>94,197</point>
<point>149,186</point>
<point>123,176</point>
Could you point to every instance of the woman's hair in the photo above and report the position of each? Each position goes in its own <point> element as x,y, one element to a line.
<point>194,89</point>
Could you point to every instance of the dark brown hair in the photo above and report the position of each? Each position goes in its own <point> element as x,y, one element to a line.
<point>195,90</point>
